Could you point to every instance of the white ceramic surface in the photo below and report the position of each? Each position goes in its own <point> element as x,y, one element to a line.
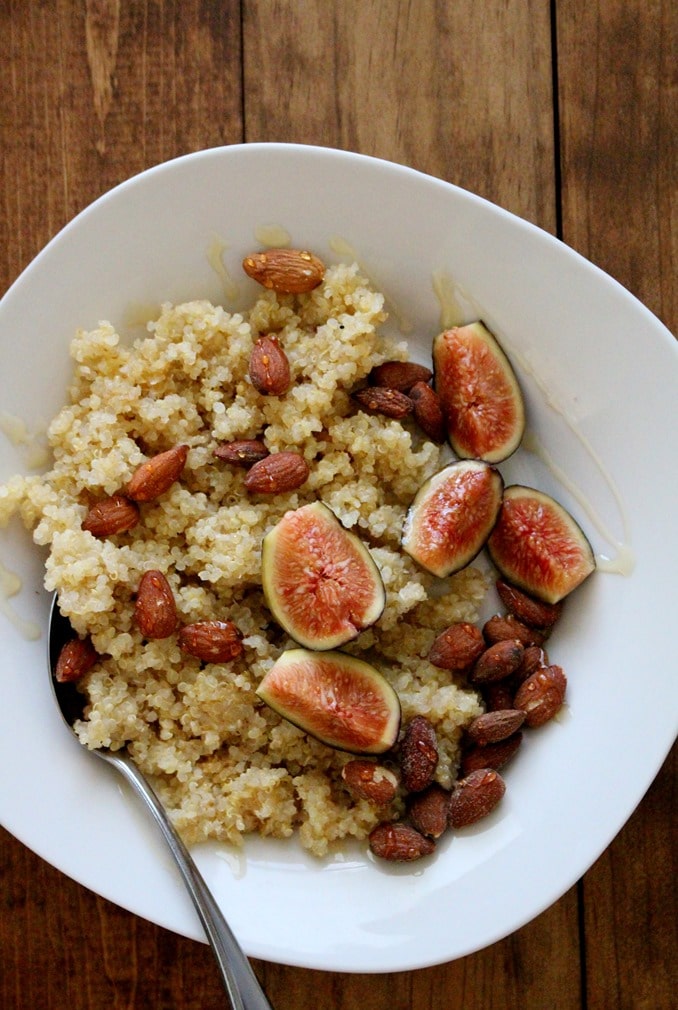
<point>600,374</point>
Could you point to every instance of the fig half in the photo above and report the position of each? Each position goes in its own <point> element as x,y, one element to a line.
<point>320,581</point>
<point>340,700</point>
<point>452,515</point>
<point>538,546</point>
<point>479,393</point>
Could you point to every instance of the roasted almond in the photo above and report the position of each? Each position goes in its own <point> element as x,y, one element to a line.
<point>534,613</point>
<point>429,811</point>
<point>370,781</point>
<point>400,375</point>
<point>277,473</point>
<point>286,271</point>
<point>498,662</point>
<point>498,696</point>
<point>157,474</point>
<point>505,626</point>
<point>475,796</point>
<point>491,755</point>
<point>155,610</point>
<point>109,516</point>
<point>457,647</point>
<point>534,658</point>
<point>418,754</point>
<point>427,411</point>
<point>541,695</point>
<point>211,641</point>
<point>242,452</point>
<point>379,400</point>
<point>494,726</point>
<point>76,658</point>
<point>269,368</point>
<point>399,843</point>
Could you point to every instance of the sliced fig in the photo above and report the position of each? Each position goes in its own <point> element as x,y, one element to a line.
<point>479,393</point>
<point>452,516</point>
<point>320,581</point>
<point>538,546</point>
<point>340,700</point>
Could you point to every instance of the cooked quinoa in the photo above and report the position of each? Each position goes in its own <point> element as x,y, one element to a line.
<point>222,761</point>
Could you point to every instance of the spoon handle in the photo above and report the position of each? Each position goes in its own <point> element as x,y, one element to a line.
<point>240,982</point>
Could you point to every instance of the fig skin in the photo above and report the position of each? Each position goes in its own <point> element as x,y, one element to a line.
<point>320,581</point>
<point>452,515</point>
<point>479,393</point>
<point>538,546</point>
<point>340,700</point>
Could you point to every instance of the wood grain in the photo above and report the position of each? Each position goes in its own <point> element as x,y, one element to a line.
<point>94,91</point>
<point>618,115</point>
<point>629,904</point>
<point>63,947</point>
<point>460,90</point>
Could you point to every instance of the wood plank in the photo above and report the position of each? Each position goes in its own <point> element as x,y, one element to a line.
<point>93,93</point>
<point>618,116</point>
<point>616,69</point>
<point>99,91</point>
<point>630,903</point>
<point>62,947</point>
<point>358,77</point>
<point>86,953</point>
<point>460,90</point>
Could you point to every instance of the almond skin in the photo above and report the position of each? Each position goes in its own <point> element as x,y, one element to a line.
<point>475,796</point>
<point>242,452</point>
<point>76,658</point>
<point>498,662</point>
<point>534,658</point>
<point>277,473</point>
<point>501,627</point>
<point>494,726</point>
<point>116,514</point>
<point>399,843</point>
<point>534,613</point>
<point>418,754</point>
<point>457,647</point>
<point>427,411</point>
<point>429,811</point>
<point>157,474</point>
<point>269,368</point>
<point>498,696</point>
<point>370,781</point>
<point>155,610</point>
<point>541,695</point>
<point>212,641</point>
<point>491,755</point>
<point>379,400</point>
<point>286,271</point>
<point>400,375</point>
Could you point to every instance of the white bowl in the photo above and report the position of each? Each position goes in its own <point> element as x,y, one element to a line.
<point>600,376</point>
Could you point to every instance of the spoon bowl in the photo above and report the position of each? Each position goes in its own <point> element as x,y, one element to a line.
<point>239,980</point>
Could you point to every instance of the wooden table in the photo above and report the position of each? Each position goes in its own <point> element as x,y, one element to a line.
<point>562,112</point>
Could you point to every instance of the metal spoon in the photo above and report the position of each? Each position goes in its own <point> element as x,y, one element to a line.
<point>239,980</point>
